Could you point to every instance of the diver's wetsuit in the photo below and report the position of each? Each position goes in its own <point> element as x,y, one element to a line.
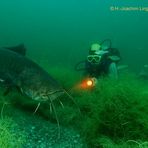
<point>101,69</point>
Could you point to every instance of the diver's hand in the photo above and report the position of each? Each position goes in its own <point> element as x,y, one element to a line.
<point>95,81</point>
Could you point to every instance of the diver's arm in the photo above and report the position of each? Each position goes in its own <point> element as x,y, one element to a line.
<point>113,73</point>
<point>87,70</point>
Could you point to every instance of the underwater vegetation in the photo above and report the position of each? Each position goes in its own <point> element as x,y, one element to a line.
<point>114,114</point>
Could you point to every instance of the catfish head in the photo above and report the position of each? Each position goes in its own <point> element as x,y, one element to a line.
<point>40,86</point>
<point>43,93</point>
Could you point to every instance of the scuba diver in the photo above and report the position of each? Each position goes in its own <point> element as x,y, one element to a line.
<point>102,60</point>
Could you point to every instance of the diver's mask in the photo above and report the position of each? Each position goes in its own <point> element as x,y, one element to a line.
<point>96,58</point>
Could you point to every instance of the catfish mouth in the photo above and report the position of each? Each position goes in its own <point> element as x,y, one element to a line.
<point>43,97</point>
<point>56,94</point>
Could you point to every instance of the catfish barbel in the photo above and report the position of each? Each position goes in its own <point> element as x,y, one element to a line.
<point>29,78</point>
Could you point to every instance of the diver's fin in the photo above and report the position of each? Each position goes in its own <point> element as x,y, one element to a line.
<point>114,58</point>
<point>20,49</point>
<point>120,67</point>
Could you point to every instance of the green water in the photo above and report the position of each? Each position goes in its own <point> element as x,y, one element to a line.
<point>61,31</point>
<point>57,35</point>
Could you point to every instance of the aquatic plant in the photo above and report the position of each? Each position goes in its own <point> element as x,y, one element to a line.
<point>114,113</point>
<point>114,109</point>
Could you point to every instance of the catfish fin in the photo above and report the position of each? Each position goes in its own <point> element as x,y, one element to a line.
<point>20,49</point>
<point>7,91</point>
<point>10,88</point>
<point>19,90</point>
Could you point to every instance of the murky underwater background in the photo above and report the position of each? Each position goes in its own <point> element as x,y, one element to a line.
<point>60,32</point>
